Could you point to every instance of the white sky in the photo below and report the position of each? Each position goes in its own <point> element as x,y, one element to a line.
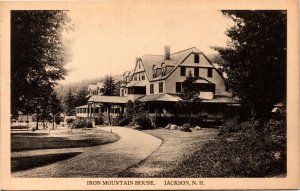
<point>108,38</point>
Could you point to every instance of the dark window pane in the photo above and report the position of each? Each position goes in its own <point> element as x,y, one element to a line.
<point>161,87</point>
<point>196,58</point>
<point>151,88</point>
<point>182,71</point>
<point>209,72</point>
<point>178,87</point>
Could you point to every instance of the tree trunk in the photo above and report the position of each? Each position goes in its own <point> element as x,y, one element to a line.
<point>27,122</point>
<point>37,120</point>
<point>53,122</point>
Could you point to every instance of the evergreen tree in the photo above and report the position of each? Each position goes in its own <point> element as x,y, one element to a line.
<point>69,103</point>
<point>255,60</point>
<point>108,89</point>
<point>189,94</point>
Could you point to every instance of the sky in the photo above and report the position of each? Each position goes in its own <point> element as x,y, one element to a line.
<point>109,37</point>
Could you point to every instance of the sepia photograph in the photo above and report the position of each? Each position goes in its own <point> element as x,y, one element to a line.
<point>118,91</point>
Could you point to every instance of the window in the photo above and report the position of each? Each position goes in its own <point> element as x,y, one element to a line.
<point>163,71</point>
<point>209,72</point>
<point>143,77</point>
<point>196,58</point>
<point>154,73</point>
<point>178,87</point>
<point>196,72</point>
<point>207,87</point>
<point>161,87</point>
<point>151,88</point>
<point>182,71</point>
<point>139,66</point>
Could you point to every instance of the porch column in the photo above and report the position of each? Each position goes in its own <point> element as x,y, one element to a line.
<point>93,110</point>
<point>87,111</point>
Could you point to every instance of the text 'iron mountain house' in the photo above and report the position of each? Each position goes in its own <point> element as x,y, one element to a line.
<point>156,80</point>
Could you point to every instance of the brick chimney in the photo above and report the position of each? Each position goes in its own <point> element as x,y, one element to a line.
<point>167,52</point>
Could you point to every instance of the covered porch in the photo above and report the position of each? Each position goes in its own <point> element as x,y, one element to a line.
<point>99,106</point>
<point>165,105</point>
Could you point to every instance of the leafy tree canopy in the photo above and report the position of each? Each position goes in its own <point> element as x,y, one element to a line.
<point>255,59</point>
<point>38,56</point>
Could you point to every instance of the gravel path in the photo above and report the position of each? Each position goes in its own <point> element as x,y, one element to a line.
<point>104,160</point>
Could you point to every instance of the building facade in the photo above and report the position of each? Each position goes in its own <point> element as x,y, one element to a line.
<point>157,81</point>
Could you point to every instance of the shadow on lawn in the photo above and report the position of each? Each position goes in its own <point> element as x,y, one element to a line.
<point>25,163</point>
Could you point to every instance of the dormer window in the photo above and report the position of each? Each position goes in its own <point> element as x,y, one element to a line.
<point>163,71</point>
<point>154,71</point>
<point>196,58</point>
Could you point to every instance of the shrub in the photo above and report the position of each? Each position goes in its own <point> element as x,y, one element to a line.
<point>99,120</point>
<point>124,121</point>
<point>82,124</point>
<point>230,126</point>
<point>186,127</point>
<point>143,122</point>
<point>70,120</point>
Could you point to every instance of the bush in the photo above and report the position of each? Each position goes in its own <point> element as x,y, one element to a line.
<point>230,126</point>
<point>186,127</point>
<point>124,121</point>
<point>143,122</point>
<point>82,124</point>
<point>99,121</point>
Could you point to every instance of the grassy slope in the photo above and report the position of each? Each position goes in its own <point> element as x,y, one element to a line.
<point>247,153</point>
<point>176,147</point>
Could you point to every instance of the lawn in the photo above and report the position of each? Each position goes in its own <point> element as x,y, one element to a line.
<point>57,139</point>
<point>176,147</point>
<point>25,163</point>
<point>21,141</point>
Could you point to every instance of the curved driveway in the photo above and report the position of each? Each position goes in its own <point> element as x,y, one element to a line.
<point>104,160</point>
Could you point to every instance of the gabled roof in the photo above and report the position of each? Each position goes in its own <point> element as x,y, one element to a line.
<point>99,84</point>
<point>175,60</point>
<point>92,87</point>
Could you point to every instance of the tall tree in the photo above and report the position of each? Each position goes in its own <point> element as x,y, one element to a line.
<point>69,103</point>
<point>55,108</point>
<point>255,59</point>
<point>80,96</point>
<point>38,56</point>
<point>108,89</point>
<point>189,94</point>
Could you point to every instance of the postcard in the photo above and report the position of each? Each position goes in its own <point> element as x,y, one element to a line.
<point>154,95</point>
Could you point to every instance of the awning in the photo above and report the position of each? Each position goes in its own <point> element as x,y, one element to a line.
<point>141,83</point>
<point>83,106</point>
<point>160,97</point>
<point>109,99</point>
<point>174,98</point>
<point>221,99</point>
